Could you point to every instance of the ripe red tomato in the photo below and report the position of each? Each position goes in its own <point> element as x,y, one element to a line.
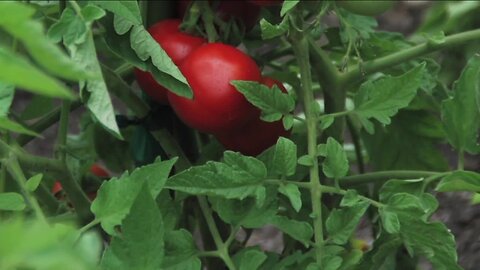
<point>265,3</point>
<point>177,45</point>
<point>99,171</point>
<point>257,135</point>
<point>216,105</point>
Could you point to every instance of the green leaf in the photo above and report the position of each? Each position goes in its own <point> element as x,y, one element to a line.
<point>326,122</point>
<point>99,102</point>
<point>305,160</point>
<point>341,223</point>
<point>249,259</point>
<point>140,245</point>
<point>38,106</point>
<point>92,13</point>
<point>238,177</point>
<point>34,181</point>
<point>285,157</point>
<point>288,121</point>
<point>12,126</point>
<point>287,6</point>
<point>270,31</point>
<point>11,201</point>
<point>460,113</point>
<point>293,194</point>
<point>115,197</point>
<point>350,198</point>
<point>70,28</point>
<point>412,142</point>
<point>31,33</point>
<point>335,164</point>
<point>271,101</point>
<point>460,181</point>
<point>381,99</point>
<point>299,230</point>
<point>14,69</point>
<point>7,92</point>
<point>389,220</point>
<point>179,248</point>
<point>430,239</point>
<point>126,9</point>
<point>355,27</point>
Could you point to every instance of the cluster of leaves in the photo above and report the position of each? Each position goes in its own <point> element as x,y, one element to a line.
<point>148,215</point>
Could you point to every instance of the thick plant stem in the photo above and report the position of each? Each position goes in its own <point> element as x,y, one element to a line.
<point>358,147</point>
<point>461,160</point>
<point>63,131</point>
<point>301,51</point>
<point>221,246</point>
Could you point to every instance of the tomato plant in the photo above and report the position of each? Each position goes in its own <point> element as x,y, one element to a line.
<point>347,170</point>
<point>177,45</point>
<point>216,106</point>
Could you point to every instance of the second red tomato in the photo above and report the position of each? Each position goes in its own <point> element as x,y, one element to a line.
<point>216,106</point>
<point>177,45</point>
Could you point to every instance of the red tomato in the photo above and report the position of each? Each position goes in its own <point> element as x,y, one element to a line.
<point>216,105</point>
<point>257,135</point>
<point>266,2</point>
<point>57,187</point>
<point>99,171</point>
<point>226,9</point>
<point>177,45</point>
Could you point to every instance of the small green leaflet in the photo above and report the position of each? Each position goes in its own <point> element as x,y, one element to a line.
<point>34,181</point>
<point>460,113</point>
<point>335,164</point>
<point>236,178</point>
<point>270,31</point>
<point>293,194</point>
<point>460,181</point>
<point>273,105</point>
<point>179,248</point>
<point>11,201</point>
<point>7,124</point>
<point>6,97</point>
<point>285,157</point>
<point>249,259</point>
<point>141,244</point>
<point>342,222</point>
<point>14,69</point>
<point>355,27</point>
<point>381,99</point>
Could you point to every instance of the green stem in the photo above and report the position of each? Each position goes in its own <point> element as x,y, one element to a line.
<point>279,182</point>
<point>16,171</point>
<point>461,160</point>
<point>358,146</point>
<point>208,20</point>
<point>45,122</point>
<point>383,176</point>
<point>221,246</point>
<point>45,197</point>
<point>301,50</point>
<point>63,132</point>
<point>88,226</point>
<point>372,66</point>
<point>328,189</point>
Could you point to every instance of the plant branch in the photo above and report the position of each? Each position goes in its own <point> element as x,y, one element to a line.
<point>62,132</point>
<point>383,176</point>
<point>301,50</point>
<point>328,189</point>
<point>372,66</point>
<point>358,146</point>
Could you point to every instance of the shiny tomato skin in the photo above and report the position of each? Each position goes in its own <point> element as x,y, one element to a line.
<point>216,106</point>
<point>56,188</point>
<point>177,45</point>
<point>256,136</point>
